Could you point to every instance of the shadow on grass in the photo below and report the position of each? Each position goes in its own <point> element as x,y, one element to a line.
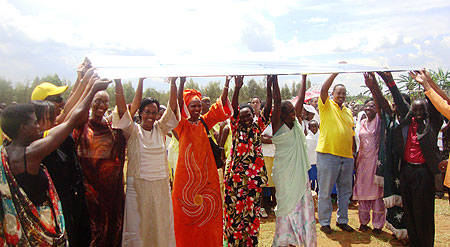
<point>347,239</point>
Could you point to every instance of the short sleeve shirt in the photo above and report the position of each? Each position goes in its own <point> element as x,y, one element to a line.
<point>336,129</point>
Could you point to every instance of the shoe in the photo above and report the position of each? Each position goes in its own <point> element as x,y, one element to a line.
<point>326,229</point>
<point>345,227</point>
<point>363,228</point>
<point>263,213</point>
<point>377,231</point>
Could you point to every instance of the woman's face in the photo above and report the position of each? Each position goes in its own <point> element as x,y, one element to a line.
<point>100,104</point>
<point>46,123</point>
<point>31,129</point>
<point>195,108</point>
<point>289,115</point>
<point>149,116</point>
<point>246,117</point>
<point>370,109</point>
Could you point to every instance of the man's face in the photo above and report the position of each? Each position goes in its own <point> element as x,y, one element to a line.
<point>339,95</point>
<point>419,109</point>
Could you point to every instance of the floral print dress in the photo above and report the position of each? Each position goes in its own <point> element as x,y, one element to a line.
<point>244,178</point>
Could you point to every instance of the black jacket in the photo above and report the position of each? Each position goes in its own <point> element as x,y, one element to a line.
<point>427,132</point>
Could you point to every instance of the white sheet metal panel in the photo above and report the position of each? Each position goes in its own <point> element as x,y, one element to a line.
<point>135,67</point>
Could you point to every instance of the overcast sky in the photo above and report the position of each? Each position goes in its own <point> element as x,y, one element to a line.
<point>52,36</point>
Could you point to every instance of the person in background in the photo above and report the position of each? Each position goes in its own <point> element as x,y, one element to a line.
<point>256,104</point>
<point>50,92</point>
<point>295,221</point>
<point>314,102</point>
<point>312,138</point>
<point>309,114</point>
<point>206,104</point>
<point>368,193</point>
<point>30,204</point>
<point>172,156</point>
<point>101,152</point>
<point>335,155</point>
<point>148,209</point>
<point>268,149</point>
<point>196,199</point>
<point>246,175</point>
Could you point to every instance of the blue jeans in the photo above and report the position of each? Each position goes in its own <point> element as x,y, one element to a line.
<point>333,169</point>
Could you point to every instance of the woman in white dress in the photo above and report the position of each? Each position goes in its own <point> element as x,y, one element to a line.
<point>148,217</point>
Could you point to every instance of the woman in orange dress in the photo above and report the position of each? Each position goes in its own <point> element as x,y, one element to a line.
<point>197,203</point>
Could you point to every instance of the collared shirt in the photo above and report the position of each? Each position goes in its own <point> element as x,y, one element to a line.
<point>336,129</point>
<point>413,152</point>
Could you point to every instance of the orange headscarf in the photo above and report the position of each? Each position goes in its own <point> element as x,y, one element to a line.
<point>191,94</point>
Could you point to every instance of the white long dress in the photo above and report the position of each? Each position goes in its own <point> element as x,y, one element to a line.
<point>148,218</point>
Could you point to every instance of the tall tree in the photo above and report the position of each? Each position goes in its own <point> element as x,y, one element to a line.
<point>212,90</point>
<point>6,91</point>
<point>191,84</point>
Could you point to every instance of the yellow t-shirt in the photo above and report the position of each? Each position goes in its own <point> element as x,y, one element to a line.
<point>336,129</point>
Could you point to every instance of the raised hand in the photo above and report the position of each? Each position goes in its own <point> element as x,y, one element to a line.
<point>171,79</point>
<point>239,81</point>
<point>369,79</point>
<point>420,77</point>
<point>387,76</point>
<point>269,81</point>
<point>101,84</point>
<point>87,76</point>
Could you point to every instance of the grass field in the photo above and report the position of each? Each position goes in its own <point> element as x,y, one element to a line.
<point>340,238</point>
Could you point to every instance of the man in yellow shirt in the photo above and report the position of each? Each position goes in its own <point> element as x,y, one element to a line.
<point>334,155</point>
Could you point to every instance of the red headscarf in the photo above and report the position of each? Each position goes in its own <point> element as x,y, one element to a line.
<point>191,94</point>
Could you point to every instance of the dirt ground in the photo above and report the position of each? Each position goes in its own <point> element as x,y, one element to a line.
<point>340,238</point>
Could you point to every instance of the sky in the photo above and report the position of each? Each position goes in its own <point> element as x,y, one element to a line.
<point>43,37</point>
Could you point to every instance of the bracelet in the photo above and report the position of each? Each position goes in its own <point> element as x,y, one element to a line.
<point>225,87</point>
<point>118,93</point>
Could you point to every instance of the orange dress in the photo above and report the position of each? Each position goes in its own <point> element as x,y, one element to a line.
<point>197,203</point>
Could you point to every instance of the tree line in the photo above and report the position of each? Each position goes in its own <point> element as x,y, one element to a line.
<point>21,92</point>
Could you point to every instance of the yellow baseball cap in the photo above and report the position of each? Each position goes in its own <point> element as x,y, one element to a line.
<point>46,89</point>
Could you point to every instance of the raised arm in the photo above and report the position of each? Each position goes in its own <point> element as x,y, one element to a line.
<point>424,78</point>
<point>39,149</point>
<point>402,106</point>
<point>268,107</point>
<point>369,79</point>
<point>76,95</point>
<point>224,96</point>
<point>238,82</point>
<point>326,87</point>
<point>439,103</point>
<point>173,94</point>
<point>301,98</point>
<point>137,97</point>
<point>120,98</point>
<point>180,93</point>
<point>87,87</point>
<point>276,113</point>
<point>378,95</point>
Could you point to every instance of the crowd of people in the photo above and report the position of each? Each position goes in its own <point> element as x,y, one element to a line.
<point>203,173</point>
